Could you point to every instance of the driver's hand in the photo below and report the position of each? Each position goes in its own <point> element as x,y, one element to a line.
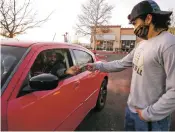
<point>73,70</point>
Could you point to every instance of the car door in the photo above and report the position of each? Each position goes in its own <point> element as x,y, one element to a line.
<point>88,80</point>
<point>81,95</point>
<point>41,110</point>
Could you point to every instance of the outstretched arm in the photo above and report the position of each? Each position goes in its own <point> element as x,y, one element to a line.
<point>113,66</point>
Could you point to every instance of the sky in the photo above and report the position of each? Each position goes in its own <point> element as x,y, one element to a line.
<point>65,14</point>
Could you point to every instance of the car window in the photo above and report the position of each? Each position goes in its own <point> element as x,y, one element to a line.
<point>49,61</point>
<point>82,58</point>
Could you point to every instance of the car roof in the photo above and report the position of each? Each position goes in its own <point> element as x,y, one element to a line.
<point>27,44</point>
<point>17,43</point>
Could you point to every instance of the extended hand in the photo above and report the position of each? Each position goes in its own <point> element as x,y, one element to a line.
<point>73,70</point>
<point>90,67</point>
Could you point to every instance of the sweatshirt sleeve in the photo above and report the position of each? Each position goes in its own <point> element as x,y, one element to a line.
<point>166,104</point>
<point>117,65</point>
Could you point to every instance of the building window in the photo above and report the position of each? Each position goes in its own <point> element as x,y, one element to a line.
<point>105,45</point>
<point>127,45</point>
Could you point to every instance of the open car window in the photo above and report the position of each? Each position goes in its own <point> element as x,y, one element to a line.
<point>54,61</point>
<point>50,60</point>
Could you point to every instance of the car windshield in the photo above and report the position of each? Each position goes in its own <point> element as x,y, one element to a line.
<point>10,56</point>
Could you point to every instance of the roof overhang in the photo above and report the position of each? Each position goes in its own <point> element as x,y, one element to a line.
<point>105,37</point>
<point>128,37</point>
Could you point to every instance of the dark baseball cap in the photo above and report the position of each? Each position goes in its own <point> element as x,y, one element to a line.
<point>146,7</point>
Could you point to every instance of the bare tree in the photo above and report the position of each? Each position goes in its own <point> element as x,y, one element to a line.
<point>172,27</point>
<point>16,17</point>
<point>94,14</point>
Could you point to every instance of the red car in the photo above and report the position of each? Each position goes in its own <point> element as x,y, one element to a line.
<point>32,98</point>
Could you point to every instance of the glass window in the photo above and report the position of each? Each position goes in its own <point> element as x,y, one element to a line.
<point>82,57</point>
<point>10,57</point>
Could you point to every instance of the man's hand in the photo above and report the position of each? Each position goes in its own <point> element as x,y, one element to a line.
<point>139,111</point>
<point>90,67</point>
<point>72,70</point>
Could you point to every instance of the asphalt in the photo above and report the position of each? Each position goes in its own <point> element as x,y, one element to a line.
<point>111,118</point>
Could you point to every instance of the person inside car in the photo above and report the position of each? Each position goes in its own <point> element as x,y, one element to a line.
<point>7,63</point>
<point>57,67</point>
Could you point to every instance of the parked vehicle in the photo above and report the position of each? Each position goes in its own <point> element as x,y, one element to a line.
<point>33,100</point>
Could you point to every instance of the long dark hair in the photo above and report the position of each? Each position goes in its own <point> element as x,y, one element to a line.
<point>159,21</point>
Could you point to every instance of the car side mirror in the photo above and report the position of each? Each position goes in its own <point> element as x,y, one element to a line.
<point>44,82</point>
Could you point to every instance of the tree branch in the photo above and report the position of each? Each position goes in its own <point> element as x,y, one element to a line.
<point>17,18</point>
<point>95,13</point>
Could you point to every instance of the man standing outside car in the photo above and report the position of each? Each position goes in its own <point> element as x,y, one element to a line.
<point>152,95</point>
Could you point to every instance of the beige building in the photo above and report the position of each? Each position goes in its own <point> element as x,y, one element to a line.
<point>114,38</point>
<point>172,30</point>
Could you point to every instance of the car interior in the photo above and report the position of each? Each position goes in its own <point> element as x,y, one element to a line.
<point>40,62</point>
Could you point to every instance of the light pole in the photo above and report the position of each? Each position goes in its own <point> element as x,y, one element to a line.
<point>65,37</point>
<point>54,37</point>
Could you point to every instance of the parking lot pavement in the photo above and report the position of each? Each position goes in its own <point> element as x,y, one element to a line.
<point>111,118</point>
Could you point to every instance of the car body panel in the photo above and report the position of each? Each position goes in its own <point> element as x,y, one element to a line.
<point>50,108</point>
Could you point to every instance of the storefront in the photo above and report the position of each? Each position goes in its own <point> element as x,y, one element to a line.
<point>127,42</point>
<point>114,38</point>
<point>105,41</point>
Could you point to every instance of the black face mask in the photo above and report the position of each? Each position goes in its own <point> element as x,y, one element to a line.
<point>142,31</point>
